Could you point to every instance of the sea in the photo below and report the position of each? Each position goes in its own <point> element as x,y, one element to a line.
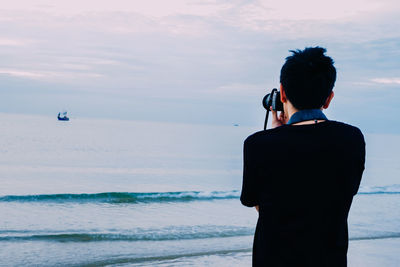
<point>102,192</point>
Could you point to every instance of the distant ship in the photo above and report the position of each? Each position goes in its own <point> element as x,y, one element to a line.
<point>63,117</point>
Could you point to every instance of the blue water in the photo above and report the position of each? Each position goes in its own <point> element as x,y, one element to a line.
<point>119,193</point>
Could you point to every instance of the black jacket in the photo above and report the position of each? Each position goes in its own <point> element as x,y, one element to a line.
<point>303,177</point>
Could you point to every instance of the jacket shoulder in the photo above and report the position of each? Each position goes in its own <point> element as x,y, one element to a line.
<point>351,130</point>
<point>262,135</point>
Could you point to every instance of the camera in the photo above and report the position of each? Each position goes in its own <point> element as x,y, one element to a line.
<point>273,100</point>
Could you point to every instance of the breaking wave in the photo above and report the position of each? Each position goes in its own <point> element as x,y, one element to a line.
<point>125,197</point>
<point>183,196</point>
<point>161,234</point>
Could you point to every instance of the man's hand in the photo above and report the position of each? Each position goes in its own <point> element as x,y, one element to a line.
<point>277,121</point>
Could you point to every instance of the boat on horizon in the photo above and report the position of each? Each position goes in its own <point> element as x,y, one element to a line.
<point>63,117</point>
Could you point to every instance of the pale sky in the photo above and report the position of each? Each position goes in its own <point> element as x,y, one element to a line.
<point>194,61</point>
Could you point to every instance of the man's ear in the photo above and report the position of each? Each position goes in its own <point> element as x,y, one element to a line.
<point>283,94</point>
<point>328,100</point>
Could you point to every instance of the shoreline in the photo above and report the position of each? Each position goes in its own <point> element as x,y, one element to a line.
<point>361,253</point>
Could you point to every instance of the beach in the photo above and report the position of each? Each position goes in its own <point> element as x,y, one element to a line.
<point>96,192</point>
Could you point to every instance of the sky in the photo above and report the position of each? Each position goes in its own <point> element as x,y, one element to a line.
<point>192,61</point>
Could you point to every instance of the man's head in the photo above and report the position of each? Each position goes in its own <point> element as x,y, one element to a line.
<point>308,77</point>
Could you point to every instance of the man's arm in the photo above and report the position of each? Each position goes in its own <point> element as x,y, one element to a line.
<point>249,195</point>
<point>360,164</point>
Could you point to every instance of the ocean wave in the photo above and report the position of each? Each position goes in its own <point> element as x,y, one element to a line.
<point>125,197</point>
<point>183,196</point>
<point>162,234</point>
<point>380,190</point>
<point>377,236</point>
<point>168,260</point>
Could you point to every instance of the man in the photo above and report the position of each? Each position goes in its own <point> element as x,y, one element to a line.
<point>302,174</point>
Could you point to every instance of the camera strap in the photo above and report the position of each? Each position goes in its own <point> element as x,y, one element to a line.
<point>306,115</point>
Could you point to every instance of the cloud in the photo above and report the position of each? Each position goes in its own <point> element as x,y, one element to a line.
<point>240,89</point>
<point>315,9</point>
<point>21,73</point>
<point>253,9</point>
<point>388,81</point>
<point>151,8</point>
<point>14,42</point>
<point>48,75</point>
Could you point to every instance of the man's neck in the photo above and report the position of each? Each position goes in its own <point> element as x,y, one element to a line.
<point>290,110</point>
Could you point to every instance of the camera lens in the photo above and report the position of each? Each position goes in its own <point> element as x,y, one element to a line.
<point>267,101</point>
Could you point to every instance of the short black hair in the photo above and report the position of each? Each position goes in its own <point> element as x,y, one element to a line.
<point>308,77</point>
